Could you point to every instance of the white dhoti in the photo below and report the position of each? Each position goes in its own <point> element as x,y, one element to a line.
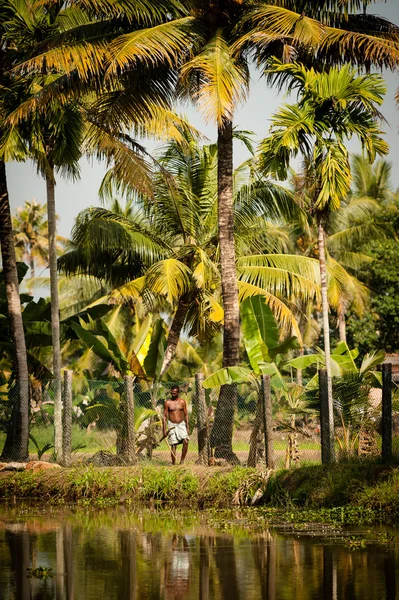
<point>178,433</point>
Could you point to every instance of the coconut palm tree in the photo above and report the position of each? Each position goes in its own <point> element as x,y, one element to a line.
<point>31,236</point>
<point>12,148</point>
<point>30,232</point>
<point>331,108</point>
<point>60,134</point>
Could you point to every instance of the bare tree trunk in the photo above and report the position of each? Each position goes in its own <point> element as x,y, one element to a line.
<point>55,315</point>
<point>222,431</point>
<point>174,332</point>
<point>16,444</point>
<point>32,266</point>
<point>342,324</point>
<point>326,324</point>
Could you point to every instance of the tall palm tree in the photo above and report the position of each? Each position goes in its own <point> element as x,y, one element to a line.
<point>55,145</point>
<point>12,148</point>
<point>347,230</point>
<point>331,108</point>
<point>32,34</point>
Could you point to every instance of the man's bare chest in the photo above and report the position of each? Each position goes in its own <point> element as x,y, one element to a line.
<point>175,405</point>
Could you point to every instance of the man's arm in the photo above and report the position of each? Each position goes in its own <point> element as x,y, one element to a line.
<point>165,416</point>
<point>186,416</point>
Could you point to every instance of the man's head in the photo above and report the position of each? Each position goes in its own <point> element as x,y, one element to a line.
<point>175,391</point>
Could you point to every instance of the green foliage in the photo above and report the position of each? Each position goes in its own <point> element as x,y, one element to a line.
<point>227,375</point>
<point>261,335</point>
<point>156,352</point>
<point>40,572</point>
<point>40,449</point>
<point>106,349</point>
<point>360,491</point>
<point>168,484</point>
<point>259,330</point>
<point>379,328</point>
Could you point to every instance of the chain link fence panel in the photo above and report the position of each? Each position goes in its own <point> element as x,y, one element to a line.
<point>118,422</point>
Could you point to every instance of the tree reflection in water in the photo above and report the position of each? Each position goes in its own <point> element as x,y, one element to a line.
<point>112,555</point>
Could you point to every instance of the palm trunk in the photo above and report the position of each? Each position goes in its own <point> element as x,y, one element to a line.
<point>222,431</point>
<point>16,444</point>
<point>342,324</point>
<point>174,333</point>
<point>32,267</point>
<point>55,316</point>
<point>326,324</point>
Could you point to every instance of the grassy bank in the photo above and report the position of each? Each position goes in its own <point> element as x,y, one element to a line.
<point>360,487</point>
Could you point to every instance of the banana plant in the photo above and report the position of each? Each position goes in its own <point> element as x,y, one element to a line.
<point>261,340</point>
<point>264,350</point>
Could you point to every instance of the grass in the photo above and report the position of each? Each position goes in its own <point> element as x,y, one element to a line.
<point>114,485</point>
<point>362,490</point>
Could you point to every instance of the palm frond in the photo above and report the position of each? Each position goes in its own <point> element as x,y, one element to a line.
<point>170,278</point>
<point>163,43</point>
<point>216,80</point>
<point>379,50</point>
<point>130,164</point>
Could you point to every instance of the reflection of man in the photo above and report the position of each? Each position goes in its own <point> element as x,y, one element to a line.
<point>175,422</point>
<point>177,572</point>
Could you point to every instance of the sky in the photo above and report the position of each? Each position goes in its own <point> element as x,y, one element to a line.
<point>72,197</point>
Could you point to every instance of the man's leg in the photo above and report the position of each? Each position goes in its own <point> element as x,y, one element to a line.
<point>184,451</point>
<point>173,454</point>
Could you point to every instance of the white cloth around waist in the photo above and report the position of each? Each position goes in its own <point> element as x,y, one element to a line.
<point>178,433</point>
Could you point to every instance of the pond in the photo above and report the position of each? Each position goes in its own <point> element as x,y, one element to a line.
<point>174,554</point>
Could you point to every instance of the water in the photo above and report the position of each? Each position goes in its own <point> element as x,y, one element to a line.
<point>119,554</point>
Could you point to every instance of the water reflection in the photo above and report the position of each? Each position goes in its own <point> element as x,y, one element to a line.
<point>127,556</point>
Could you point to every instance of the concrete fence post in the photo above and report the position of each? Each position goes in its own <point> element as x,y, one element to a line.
<point>131,434</point>
<point>202,421</point>
<point>266,397</point>
<point>256,430</point>
<point>327,433</point>
<point>67,420</point>
<point>386,417</point>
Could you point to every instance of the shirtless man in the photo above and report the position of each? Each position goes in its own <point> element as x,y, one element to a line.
<point>175,422</point>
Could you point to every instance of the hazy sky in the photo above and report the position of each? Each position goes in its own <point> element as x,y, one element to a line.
<point>71,198</point>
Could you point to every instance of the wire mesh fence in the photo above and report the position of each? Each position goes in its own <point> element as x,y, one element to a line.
<point>118,422</point>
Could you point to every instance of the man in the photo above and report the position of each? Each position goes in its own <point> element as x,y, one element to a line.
<point>175,424</point>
